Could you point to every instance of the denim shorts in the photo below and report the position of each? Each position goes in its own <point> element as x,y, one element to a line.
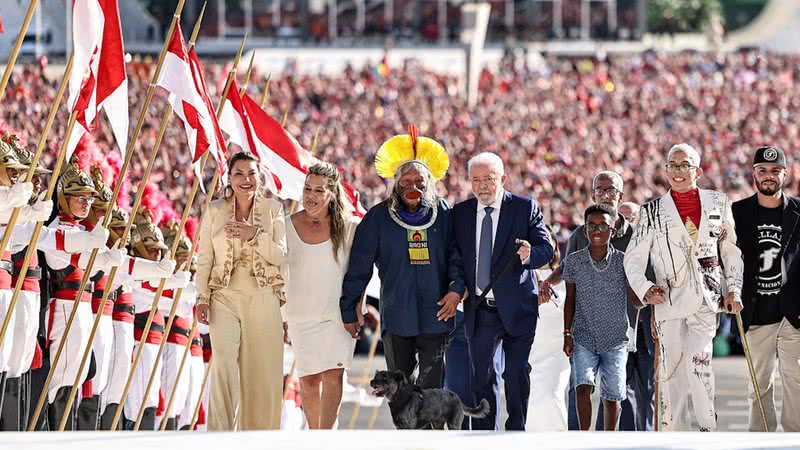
<point>610,365</point>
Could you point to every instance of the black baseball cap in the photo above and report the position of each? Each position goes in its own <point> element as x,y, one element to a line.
<point>770,155</point>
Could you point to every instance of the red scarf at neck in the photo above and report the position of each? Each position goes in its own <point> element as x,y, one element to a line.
<point>688,204</point>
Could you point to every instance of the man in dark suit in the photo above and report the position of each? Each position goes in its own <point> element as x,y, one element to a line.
<point>494,231</point>
<point>767,233</point>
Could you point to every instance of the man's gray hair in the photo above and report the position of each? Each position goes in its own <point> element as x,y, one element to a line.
<point>691,153</point>
<point>616,179</point>
<point>486,159</point>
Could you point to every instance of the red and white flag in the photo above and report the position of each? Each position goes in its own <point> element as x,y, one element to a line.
<point>290,160</point>
<point>354,197</point>
<point>236,124</point>
<point>182,77</point>
<point>98,80</point>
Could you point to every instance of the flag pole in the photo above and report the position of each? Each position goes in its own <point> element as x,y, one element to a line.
<point>12,221</point>
<point>12,59</point>
<point>186,352</point>
<point>160,290</point>
<point>123,238</point>
<point>117,187</point>
<point>285,116</point>
<point>247,75</point>
<point>373,347</point>
<point>265,95</point>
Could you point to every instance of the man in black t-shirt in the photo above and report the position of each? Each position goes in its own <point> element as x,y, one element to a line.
<point>766,230</point>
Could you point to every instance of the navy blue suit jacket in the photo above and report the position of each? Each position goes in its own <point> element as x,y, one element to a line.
<point>516,291</point>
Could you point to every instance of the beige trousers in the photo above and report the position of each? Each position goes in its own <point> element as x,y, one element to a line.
<point>247,368</point>
<point>767,342</point>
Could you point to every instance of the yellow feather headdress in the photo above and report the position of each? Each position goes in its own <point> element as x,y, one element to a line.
<point>404,148</point>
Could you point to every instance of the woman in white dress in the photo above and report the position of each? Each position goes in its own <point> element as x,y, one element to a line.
<point>319,239</point>
<point>547,407</point>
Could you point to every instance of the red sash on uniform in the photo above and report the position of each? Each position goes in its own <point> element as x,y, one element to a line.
<point>169,293</point>
<point>31,282</point>
<point>123,308</point>
<point>97,297</point>
<point>156,328</point>
<point>74,273</point>
<point>5,275</point>
<point>197,344</point>
<point>206,347</point>
<point>179,333</point>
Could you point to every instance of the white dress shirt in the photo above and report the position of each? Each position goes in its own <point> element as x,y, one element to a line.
<point>479,216</point>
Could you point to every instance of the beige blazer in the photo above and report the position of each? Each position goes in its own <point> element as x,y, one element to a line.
<point>215,263</point>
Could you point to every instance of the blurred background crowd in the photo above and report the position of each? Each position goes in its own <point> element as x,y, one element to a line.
<point>554,125</point>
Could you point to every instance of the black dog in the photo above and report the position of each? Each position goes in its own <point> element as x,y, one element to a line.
<point>413,407</point>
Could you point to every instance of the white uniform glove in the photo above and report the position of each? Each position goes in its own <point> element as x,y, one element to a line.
<point>109,259</point>
<point>179,280</point>
<point>97,238</point>
<point>19,194</point>
<point>166,267</point>
<point>38,212</point>
<point>85,241</point>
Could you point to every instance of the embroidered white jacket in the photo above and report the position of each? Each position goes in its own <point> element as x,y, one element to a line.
<point>690,272</point>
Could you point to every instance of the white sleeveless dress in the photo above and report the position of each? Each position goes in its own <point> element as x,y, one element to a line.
<point>547,406</point>
<point>314,286</point>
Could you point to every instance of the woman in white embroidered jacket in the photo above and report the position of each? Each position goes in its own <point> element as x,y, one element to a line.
<point>240,291</point>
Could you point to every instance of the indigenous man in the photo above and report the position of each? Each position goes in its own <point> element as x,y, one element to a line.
<point>409,237</point>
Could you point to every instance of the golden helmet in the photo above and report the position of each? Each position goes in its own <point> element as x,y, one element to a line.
<point>119,219</point>
<point>9,158</point>
<point>171,231</point>
<point>25,157</point>
<point>102,199</point>
<point>146,235</point>
<point>404,148</point>
<point>73,181</point>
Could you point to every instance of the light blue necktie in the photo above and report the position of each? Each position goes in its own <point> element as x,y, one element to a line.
<point>485,251</point>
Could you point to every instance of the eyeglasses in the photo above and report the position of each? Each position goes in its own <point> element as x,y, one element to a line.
<point>606,192</point>
<point>597,227</point>
<point>82,199</point>
<point>680,168</point>
<point>488,181</point>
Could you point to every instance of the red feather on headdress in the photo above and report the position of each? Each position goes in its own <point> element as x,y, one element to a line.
<point>157,204</point>
<point>86,153</point>
<point>191,227</point>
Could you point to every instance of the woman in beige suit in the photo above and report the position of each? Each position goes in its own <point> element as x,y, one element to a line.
<point>242,249</point>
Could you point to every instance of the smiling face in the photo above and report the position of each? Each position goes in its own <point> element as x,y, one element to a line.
<point>769,178</point>
<point>486,183</point>
<point>682,173</point>
<point>598,229</point>
<point>316,195</point>
<point>244,177</point>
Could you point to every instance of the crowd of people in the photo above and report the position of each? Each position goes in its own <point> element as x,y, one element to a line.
<point>554,125</point>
